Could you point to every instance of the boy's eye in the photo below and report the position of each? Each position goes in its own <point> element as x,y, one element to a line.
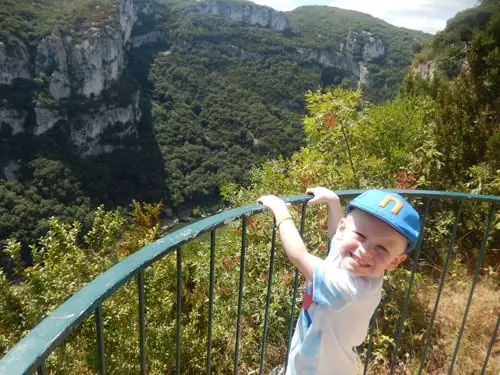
<point>359,235</point>
<point>381,248</point>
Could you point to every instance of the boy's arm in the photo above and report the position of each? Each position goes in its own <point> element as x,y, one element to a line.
<point>324,195</point>
<point>295,248</point>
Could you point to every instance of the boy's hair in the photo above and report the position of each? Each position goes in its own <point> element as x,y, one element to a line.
<point>392,209</point>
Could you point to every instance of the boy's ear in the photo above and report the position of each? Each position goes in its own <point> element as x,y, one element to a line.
<point>339,233</point>
<point>395,262</point>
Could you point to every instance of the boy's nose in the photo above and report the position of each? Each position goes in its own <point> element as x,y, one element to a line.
<point>365,250</point>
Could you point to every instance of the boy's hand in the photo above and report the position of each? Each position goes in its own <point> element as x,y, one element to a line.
<point>335,214</point>
<point>321,195</point>
<point>275,204</point>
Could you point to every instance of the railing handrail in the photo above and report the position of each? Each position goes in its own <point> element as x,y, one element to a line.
<point>31,351</point>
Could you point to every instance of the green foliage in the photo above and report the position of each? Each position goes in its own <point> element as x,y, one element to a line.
<point>216,115</point>
<point>325,26</point>
<point>448,47</point>
<point>51,190</point>
<point>63,263</point>
<point>350,144</point>
<point>213,121</point>
<point>355,145</point>
<point>28,22</point>
<point>467,115</point>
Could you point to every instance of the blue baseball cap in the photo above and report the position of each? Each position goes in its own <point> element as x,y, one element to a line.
<point>392,209</point>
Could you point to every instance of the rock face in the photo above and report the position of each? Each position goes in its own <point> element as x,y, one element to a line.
<point>13,119</point>
<point>329,58</point>
<point>82,64</point>
<point>78,65</point>
<point>14,63</point>
<point>245,13</point>
<point>88,63</point>
<point>364,75</point>
<point>51,53</point>
<point>363,46</point>
<point>46,119</point>
<point>88,130</point>
<point>425,70</point>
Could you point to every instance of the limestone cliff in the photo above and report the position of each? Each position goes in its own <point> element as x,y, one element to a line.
<point>75,65</point>
<point>117,121</point>
<point>88,62</point>
<point>13,118</point>
<point>363,46</point>
<point>14,63</point>
<point>426,70</point>
<point>79,66</point>
<point>249,14</point>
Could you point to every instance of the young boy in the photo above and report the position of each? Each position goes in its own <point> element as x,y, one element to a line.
<point>344,289</point>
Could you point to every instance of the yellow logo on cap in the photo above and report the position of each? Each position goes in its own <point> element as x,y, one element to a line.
<point>397,203</point>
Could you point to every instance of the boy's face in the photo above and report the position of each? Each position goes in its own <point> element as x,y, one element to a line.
<point>368,246</point>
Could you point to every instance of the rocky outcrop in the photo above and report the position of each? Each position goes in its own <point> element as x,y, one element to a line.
<point>13,119</point>
<point>69,63</point>
<point>126,16</point>
<point>363,46</point>
<point>51,55</point>
<point>364,75</point>
<point>89,62</point>
<point>373,49</point>
<point>329,58</point>
<point>14,63</point>
<point>426,70</point>
<point>87,131</point>
<point>46,118</point>
<point>246,13</point>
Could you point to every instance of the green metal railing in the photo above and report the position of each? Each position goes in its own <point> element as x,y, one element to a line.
<point>30,353</point>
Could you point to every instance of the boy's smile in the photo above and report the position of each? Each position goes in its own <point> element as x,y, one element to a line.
<point>368,246</point>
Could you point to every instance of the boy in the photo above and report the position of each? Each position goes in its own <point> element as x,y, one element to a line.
<point>344,289</point>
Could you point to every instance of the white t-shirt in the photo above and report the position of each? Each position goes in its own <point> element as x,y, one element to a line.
<point>334,319</point>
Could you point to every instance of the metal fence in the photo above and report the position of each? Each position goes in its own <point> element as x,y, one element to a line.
<point>30,354</point>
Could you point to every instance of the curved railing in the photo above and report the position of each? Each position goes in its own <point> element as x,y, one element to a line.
<point>30,353</point>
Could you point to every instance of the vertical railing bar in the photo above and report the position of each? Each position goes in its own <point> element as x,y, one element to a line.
<point>42,369</point>
<point>295,284</point>
<point>100,339</point>
<point>373,321</point>
<point>490,346</point>
<point>211,300</point>
<point>440,288</point>
<point>292,313</point>
<point>142,324</point>
<point>240,292</point>
<point>179,312</point>
<point>410,284</point>
<point>474,280</point>
<point>268,298</point>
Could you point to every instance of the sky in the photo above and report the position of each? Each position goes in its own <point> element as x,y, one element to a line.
<point>426,15</point>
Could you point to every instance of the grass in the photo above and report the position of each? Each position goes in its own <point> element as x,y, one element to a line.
<point>480,323</point>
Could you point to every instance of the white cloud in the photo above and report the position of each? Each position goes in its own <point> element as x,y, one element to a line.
<point>426,15</point>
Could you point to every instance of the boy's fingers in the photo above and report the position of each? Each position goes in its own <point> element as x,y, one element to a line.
<point>311,201</point>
